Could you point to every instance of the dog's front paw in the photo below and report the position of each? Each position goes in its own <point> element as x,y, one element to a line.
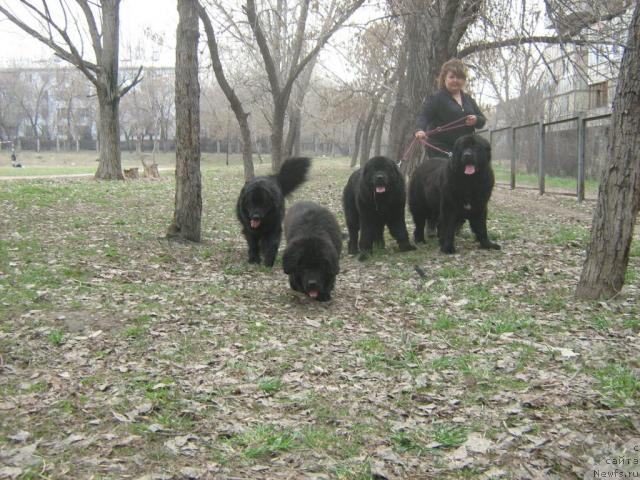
<point>364,256</point>
<point>490,245</point>
<point>407,247</point>
<point>448,249</point>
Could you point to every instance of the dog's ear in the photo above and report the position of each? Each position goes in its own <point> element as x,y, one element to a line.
<point>290,259</point>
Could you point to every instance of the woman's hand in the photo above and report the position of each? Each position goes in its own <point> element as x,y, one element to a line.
<point>471,120</point>
<point>420,134</point>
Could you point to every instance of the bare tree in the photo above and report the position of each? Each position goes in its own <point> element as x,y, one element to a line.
<point>33,101</point>
<point>619,192</point>
<point>72,89</point>
<point>187,216</point>
<point>11,115</point>
<point>281,80</point>
<point>230,93</point>
<point>55,25</point>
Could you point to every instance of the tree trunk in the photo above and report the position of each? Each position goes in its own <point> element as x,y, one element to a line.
<point>188,200</point>
<point>365,145</point>
<point>247,148</point>
<point>109,166</point>
<point>619,192</point>
<point>292,145</point>
<point>377,136</point>
<point>277,134</point>
<point>358,137</point>
<point>399,124</point>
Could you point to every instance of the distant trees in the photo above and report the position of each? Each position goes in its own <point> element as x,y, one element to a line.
<point>57,26</point>
<point>149,110</point>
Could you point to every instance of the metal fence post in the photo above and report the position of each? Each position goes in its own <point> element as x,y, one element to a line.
<point>581,154</point>
<point>513,158</point>
<point>541,155</point>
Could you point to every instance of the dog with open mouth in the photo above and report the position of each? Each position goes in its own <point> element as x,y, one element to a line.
<point>314,244</point>
<point>374,197</point>
<point>444,192</point>
<point>260,208</point>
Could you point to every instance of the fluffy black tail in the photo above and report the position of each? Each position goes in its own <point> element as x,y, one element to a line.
<point>293,173</point>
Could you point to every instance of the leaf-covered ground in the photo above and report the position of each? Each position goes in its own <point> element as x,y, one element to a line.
<point>125,356</point>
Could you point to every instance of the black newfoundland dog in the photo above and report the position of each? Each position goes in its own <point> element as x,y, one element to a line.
<point>445,192</point>
<point>260,208</point>
<point>374,197</point>
<point>314,243</point>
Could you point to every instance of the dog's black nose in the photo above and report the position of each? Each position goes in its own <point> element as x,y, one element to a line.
<point>467,154</point>
<point>312,284</point>
<point>380,178</point>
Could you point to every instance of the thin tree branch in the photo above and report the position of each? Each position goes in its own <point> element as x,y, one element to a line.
<point>93,28</point>
<point>512,42</point>
<point>269,65</point>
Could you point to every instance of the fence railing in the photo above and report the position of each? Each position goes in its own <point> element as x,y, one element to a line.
<point>559,156</point>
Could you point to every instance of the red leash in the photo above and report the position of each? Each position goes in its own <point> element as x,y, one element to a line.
<point>447,126</point>
<point>442,128</point>
<point>427,144</point>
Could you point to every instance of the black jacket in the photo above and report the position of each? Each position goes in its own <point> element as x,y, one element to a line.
<point>440,109</point>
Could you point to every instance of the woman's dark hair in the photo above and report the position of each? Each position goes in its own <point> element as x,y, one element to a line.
<point>454,66</point>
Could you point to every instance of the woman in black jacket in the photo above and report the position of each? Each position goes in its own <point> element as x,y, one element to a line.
<point>449,105</point>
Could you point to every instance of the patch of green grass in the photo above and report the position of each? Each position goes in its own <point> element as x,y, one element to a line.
<point>111,252</point>
<point>412,442</point>
<point>360,471</point>
<point>572,234</point>
<point>462,363</point>
<point>263,441</point>
<point>270,385</point>
<point>453,272</point>
<point>507,321</point>
<point>445,321</point>
<point>38,387</point>
<point>326,439</point>
<point>450,436</point>
<point>66,406</point>
<point>617,384</point>
<point>479,298</point>
<point>600,322</point>
<point>632,323</point>
<point>76,272</point>
<point>370,345</point>
<point>55,337</point>
<point>135,331</point>
<point>335,323</point>
<point>363,319</point>
<point>526,354</point>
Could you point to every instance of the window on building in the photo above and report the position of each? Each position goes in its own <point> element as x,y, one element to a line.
<point>598,95</point>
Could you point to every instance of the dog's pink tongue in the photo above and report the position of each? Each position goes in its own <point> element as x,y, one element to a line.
<point>255,223</point>
<point>380,189</point>
<point>469,170</point>
<point>313,293</point>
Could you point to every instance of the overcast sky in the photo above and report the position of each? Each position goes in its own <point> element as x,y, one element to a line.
<point>136,17</point>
